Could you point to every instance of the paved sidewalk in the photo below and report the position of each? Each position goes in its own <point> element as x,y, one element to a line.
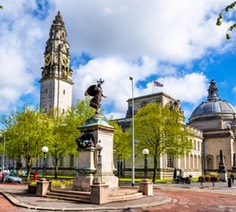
<point>19,196</point>
<point>218,187</point>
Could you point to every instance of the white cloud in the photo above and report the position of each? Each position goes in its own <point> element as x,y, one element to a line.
<point>165,30</point>
<point>117,87</point>
<point>142,39</point>
<point>190,88</point>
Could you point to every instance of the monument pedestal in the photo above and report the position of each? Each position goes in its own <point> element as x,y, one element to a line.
<point>99,193</point>
<point>85,170</point>
<point>42,187</point>
<point>222,176</point>
<point>96,129</point>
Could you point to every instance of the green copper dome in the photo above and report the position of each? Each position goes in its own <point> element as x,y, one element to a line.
<point>96,120</point>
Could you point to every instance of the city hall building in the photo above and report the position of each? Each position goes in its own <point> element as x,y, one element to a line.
<point>213,126</point>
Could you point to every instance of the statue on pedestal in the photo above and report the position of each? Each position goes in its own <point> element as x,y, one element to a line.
<point>97,93</point>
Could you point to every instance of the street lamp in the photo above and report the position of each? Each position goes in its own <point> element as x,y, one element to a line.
<point>145,152</point>
<point>44,150</point>
<point>99,147</point>
<point>133,159</point>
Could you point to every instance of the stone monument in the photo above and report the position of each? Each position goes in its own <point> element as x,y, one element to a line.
<point>222,170</point>
<point>96,129</point>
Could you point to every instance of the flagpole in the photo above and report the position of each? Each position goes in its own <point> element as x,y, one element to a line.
<point>152,87</point>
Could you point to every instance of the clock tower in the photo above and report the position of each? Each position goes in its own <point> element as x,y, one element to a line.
<point>56,82</point>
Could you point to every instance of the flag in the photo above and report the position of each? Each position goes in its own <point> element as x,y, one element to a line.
<point>158,84</point>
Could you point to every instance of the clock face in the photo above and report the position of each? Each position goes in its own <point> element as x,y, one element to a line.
<point>47,60</point>
<point>65,61</point>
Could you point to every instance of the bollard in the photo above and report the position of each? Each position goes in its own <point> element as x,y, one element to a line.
<point>229,182</point>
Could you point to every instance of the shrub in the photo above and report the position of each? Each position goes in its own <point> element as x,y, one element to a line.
<point>201,178</point>
<point>207,178</point>
<point>214,178</point>
<point>33,183</point>
<point>61,183</point>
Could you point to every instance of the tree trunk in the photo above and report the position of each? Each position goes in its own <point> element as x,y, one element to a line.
<point>56,168</point>
<point>29,169</point>
<point>155,169</point>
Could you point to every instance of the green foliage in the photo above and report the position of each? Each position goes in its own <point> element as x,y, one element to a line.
<point>26,132</point>
<point>122,141</point>
<point>65,130</point>
<point>160,130</point>
<point>220,17</point>
<point>33,183</point>
<point>1,7</point>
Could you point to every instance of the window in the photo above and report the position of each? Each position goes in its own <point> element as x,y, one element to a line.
<point>64,92</point>
<point>170,161</point>
<point>71,160</point>
<point>209,162</point>
<point>46,91</point>
<point>195,145</point>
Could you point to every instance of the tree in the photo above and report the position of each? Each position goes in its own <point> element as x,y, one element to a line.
<point>65,131</point>
<point>122,141</point>
<point>26,132</point>
<point>220,17</point>
<point>160,129</point>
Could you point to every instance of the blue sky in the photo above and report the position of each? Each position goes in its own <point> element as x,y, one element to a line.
<point>177,44</point>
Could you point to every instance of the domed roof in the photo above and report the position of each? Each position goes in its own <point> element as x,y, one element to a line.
<point>213,105</point>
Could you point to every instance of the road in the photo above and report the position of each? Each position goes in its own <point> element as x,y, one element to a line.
<point>183,200</point>
<point>195,201</point>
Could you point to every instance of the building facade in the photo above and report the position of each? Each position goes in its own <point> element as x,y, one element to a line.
<point>216,119</point>
<point>213,124</point>
<point>189,164</point>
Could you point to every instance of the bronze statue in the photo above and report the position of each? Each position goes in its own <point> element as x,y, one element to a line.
<point>97,93</point>
<point>85,141</point>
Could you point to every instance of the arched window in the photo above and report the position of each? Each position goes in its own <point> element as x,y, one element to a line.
<point>209,161</point>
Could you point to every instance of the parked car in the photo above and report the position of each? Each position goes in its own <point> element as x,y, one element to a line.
<point>13,178</point>
<point>24,172</point>
<point>6,171</point>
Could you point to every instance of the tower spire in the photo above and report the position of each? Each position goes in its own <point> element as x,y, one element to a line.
<point>56,73</point>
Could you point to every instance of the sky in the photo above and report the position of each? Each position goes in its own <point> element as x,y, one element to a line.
<point>176,43</point>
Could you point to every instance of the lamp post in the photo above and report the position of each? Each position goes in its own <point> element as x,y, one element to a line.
<point>44,150</point>
<point>133,159</point>
<point>145,152</point>
<point>99,147</point>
